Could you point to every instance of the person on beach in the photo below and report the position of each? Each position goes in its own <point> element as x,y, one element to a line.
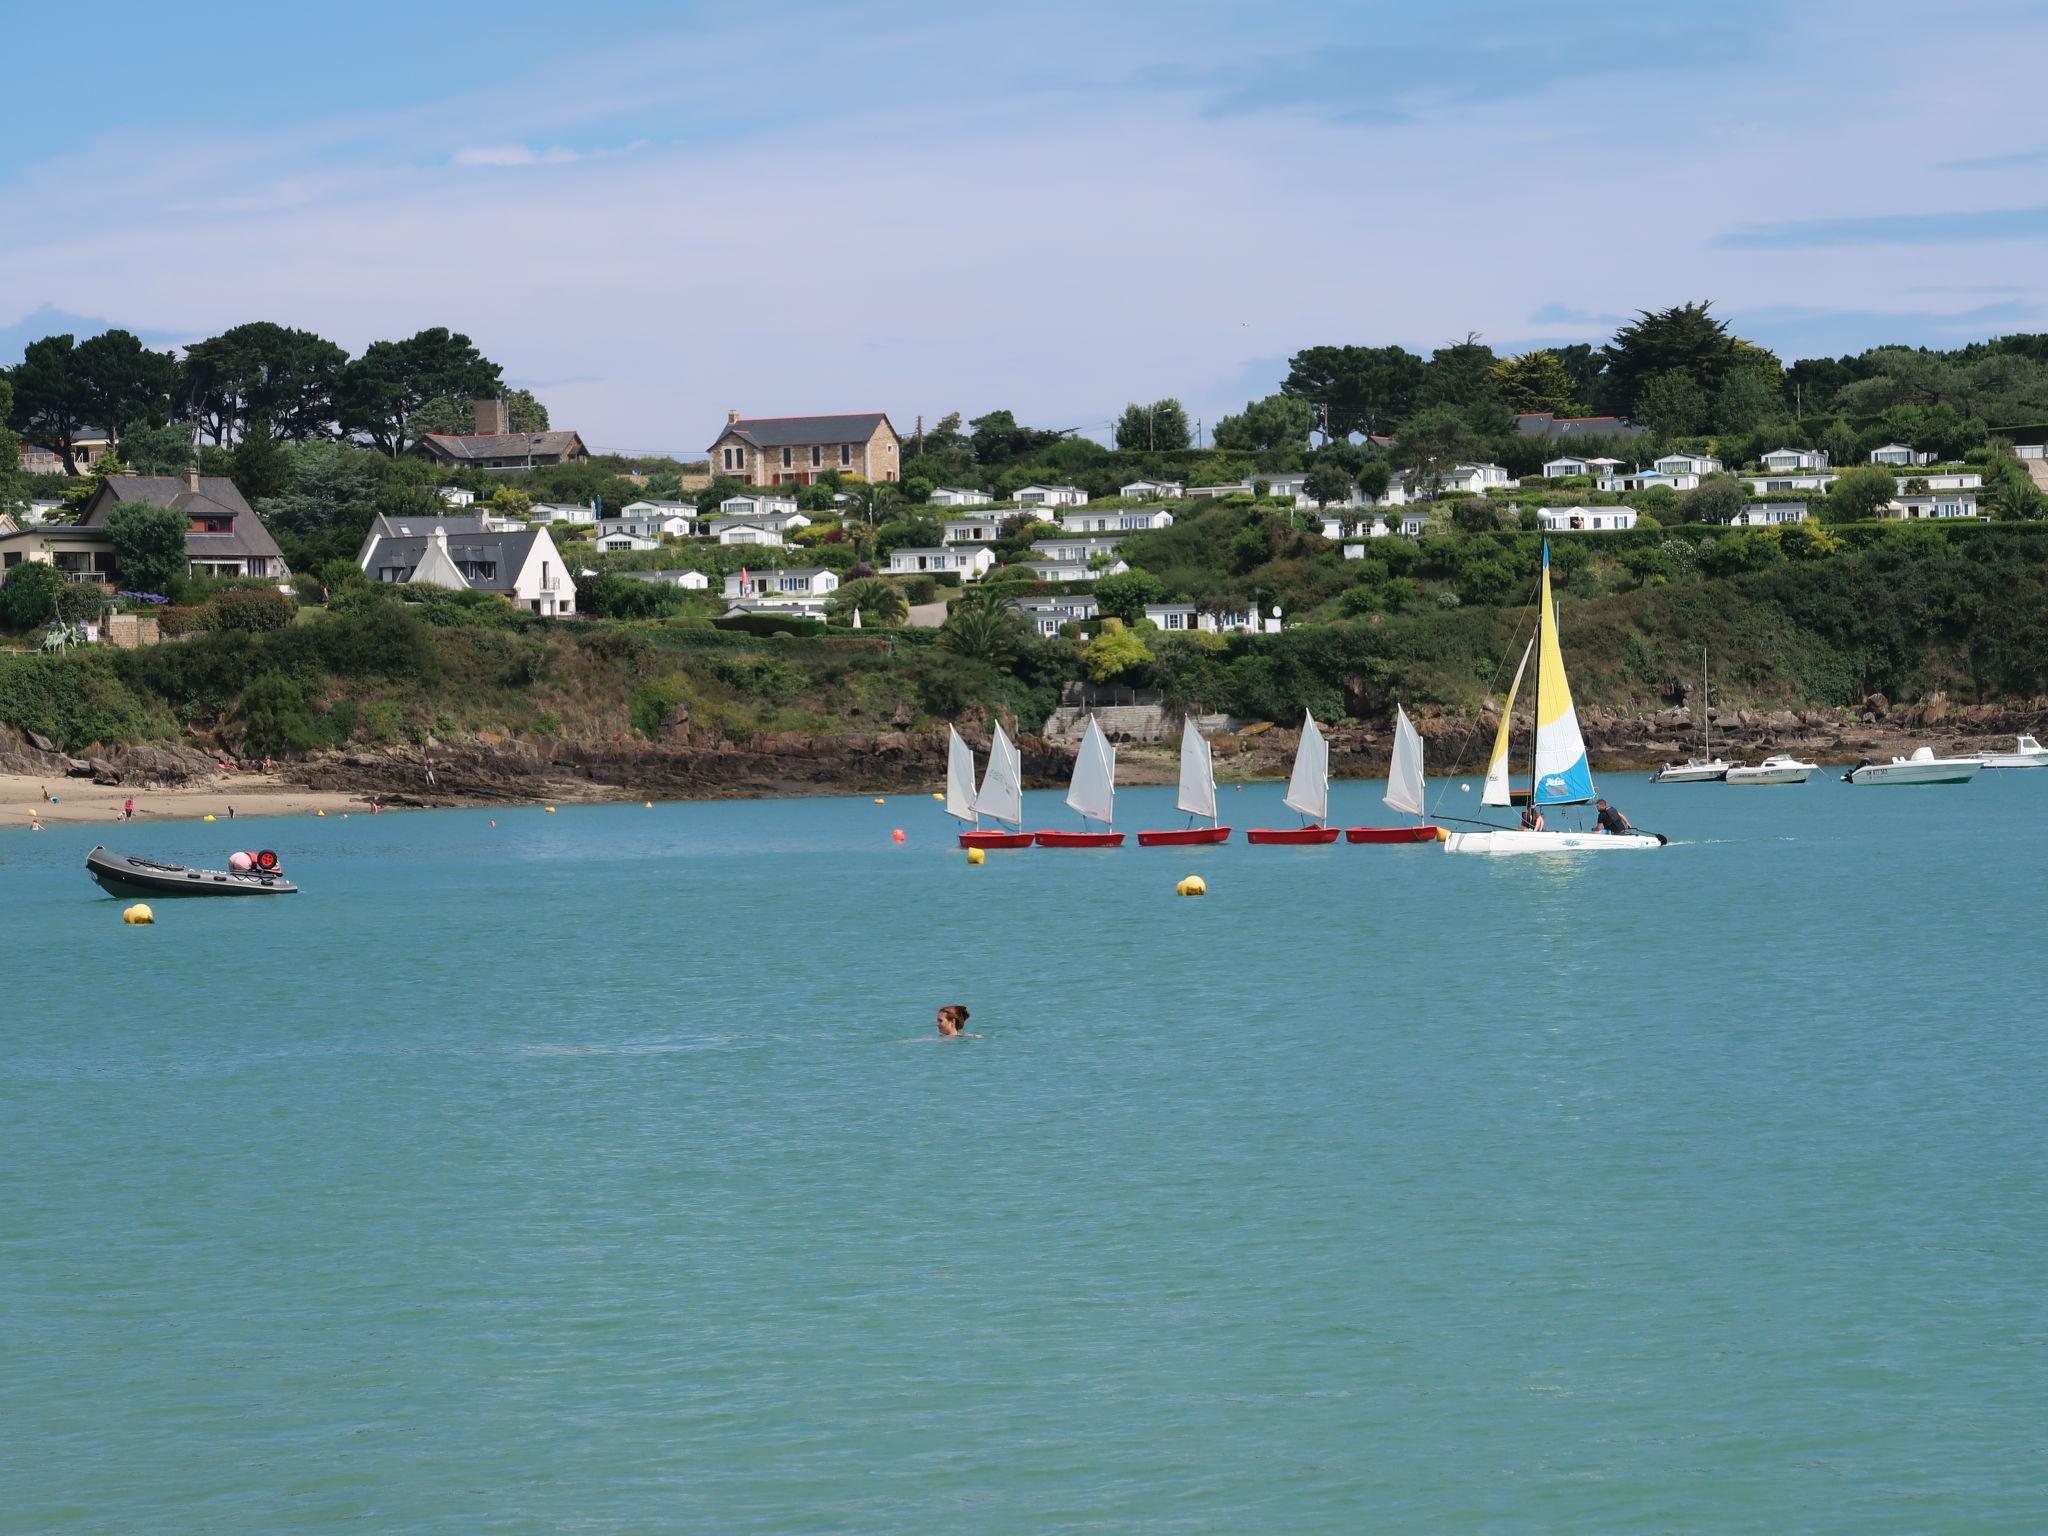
<point>951,1017</point>
<point>1610,820</point>
<point>128,809</point>
<point>428,765</point>
<point>46,793</point>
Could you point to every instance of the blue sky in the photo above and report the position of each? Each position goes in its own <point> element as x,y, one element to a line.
<point>653,212</point>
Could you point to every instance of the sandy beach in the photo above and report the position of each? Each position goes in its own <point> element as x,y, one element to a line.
<point>75,801</point>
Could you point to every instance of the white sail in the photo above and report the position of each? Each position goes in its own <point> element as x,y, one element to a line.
<point>959,777</point>
<point>1404,779</point>
<point>1093,790</point>
<point>1197,772</point>
<point>1497,765</point>
<point>1002,787</point>
<point>1308,790</point>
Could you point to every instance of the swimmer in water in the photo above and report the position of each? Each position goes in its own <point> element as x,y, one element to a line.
<point>951,1017</point>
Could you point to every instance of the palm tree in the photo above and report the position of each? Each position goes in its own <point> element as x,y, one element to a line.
<point>982,629</point>
<point>878,602</point>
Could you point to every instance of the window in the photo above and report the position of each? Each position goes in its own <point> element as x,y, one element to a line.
<point>817,456</point>
<point>845,454</point>
<point>786,459</point>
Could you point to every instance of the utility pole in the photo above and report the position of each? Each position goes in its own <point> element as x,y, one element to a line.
<point>920,434</point>
<point>1198,432</point>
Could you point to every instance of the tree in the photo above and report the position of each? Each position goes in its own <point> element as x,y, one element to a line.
<point>122,383</point>
<point>1374,476</point>
<point>1114,651</point>
<point>1161,427</point>
<point>1460,374</point>
<point>1717,501</point>
<point>457,418</point>
<point>149,546</point>
<point>165,450</point>
<point>1858,492</point>
<point>1125,595</point>
<point>1683,339</point>
<point>262,470</point>
<point>998,439</point>
<point>1840,442</point>
<point>1748,398</point>
<point>1534,382</point>
<point>879,603</point>
<point>1673,405</point>
<point>263,370</point>
<point>1353,389</point>
<point>981,629</point>
<point>379,392</point>
<point>1276,422</point>
<point>50,398</point>
<point>29,595</point>
<point>908,533</point>
<point>1328,483</point>
<point>1433,441</point>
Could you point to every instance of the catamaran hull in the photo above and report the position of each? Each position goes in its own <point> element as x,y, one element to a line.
<point>1390,834</point>
<point>1292,837</point>
<point>1080,839</point>
<point>1191,837</point>
<point>995,839</point>
<point>1515,840</point>
<point>1914,773</point>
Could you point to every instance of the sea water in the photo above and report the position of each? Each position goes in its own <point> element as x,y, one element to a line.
<point>599,1172</point>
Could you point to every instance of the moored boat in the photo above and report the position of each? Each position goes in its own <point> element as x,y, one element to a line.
<point>1778,768</point>
<point>1197,795</point>
<point>1308,792</point>
<point>1091,793</point>
<point>1923,767</point>
<point>122,874</point>
<point>2029,753</point>
<point>1559,773</point>
<point>1706,768</point>
<point>1000,796</point>
<point>1404,790</point>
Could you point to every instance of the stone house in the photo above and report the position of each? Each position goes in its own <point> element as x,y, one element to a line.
<point>796,450</point>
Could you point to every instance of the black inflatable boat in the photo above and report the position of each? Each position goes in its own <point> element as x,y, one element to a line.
<point>123,874</point>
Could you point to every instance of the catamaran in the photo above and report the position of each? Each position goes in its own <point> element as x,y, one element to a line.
<point>1197,794</point>
<point>1001,797</point>
<point>1697,770</point>
<point>1404,790</point>
<point>1559,774</point>
<point>1092,792</point>
<point>1308,792</point>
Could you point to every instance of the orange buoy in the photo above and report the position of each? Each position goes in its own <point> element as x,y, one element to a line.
<point>896,836</point>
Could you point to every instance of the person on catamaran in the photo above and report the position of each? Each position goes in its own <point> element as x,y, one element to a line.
<point>1532,820</point>
<point>951,1017</point>
<point>1610,820</point>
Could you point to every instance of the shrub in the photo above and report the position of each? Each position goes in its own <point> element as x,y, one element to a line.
<point>253,610</point>
<point>79,601</point>
<point>149,546</point>
<point>29,595</point>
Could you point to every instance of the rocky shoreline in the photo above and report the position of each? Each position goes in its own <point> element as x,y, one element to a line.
<point>697,764</point>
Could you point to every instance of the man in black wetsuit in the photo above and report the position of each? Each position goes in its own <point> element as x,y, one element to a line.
<point>1610,820</point>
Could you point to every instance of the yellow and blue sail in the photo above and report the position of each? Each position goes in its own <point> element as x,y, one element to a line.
<point>1562,776</point>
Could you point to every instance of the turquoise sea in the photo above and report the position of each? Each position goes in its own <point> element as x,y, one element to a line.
<point>598,1172</point>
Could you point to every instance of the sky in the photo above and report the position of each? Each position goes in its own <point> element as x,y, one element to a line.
<point>653,213</point>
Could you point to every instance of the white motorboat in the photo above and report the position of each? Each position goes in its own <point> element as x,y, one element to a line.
<point>1559,774</point>
<point>1778,768</point>
<point>2029,754</point>
<point>1923,767</point>
<point>1707,768</point>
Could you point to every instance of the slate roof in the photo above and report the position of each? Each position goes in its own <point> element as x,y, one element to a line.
<point>1544,424</point>
<point>216,497</point>
<point>509,550</point>
<point>802,431</point>
<point>467,446</point>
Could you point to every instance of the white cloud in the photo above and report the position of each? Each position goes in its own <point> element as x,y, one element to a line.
<point>512,155</point>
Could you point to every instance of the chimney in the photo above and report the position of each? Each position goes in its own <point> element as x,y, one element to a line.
<point>732,418</point>
<point>192,479</point>
<point>492,418</point>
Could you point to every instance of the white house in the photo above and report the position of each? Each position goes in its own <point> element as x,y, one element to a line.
<point>954,496</point>
<point>1153,490</point>
<point>652,525</point>
<point>1934,504</point>
<point>970,561</point>
<point>1586,519</point>
<point>1047,614</point>
<point>455,495</point>
<point>1336,526</point>
<point>1947,480</point>
<point>1072,570</point>
<point>676,519</point>
<point>1125,520</point>
<point>786,607</point>
<point>523,567</point>
<point>1899,453</point>
<point>759,508</point>
<point>1649,479</point>
<point>795,581</point>
<point>1769,514</point>
<point>738,530</point>
<point>620,539</point>
<point>1184,618</point>
<point>1082,547</point>
<point>1687,464</point>
<point>563,512</point>
<point>1239,488</point>
<point>689,581</point>
<point>1477,479</point>
<point>985,529</point>
<point>1558,469</point>
<point>1414,523</point>
<point>1787,461</point>
<point>1050,496</point>
<point>1808,480</point>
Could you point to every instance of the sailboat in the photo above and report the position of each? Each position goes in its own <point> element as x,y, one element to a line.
<point>1092,792</point>
<point>1404,790</point>
<point>1001,797</point>
<point>1697,770</point>
<point>1197,794</point>
<point>1558,771</point>
<point>1308,791</point>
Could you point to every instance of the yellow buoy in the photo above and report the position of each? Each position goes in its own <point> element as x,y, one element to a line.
<point>1193,885</point>
<point>1443,834</point>
<point>551,810</point>
<point>650,805</point>
<point>139,913</point>
<point>937,796</point>
<point>880,801</point>
<point>976,856</point>
<point>319,813</point>
<point>207,817</point>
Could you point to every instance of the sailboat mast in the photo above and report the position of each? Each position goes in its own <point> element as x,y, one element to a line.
<point>1706,714</point>
<point>1536,696</point>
